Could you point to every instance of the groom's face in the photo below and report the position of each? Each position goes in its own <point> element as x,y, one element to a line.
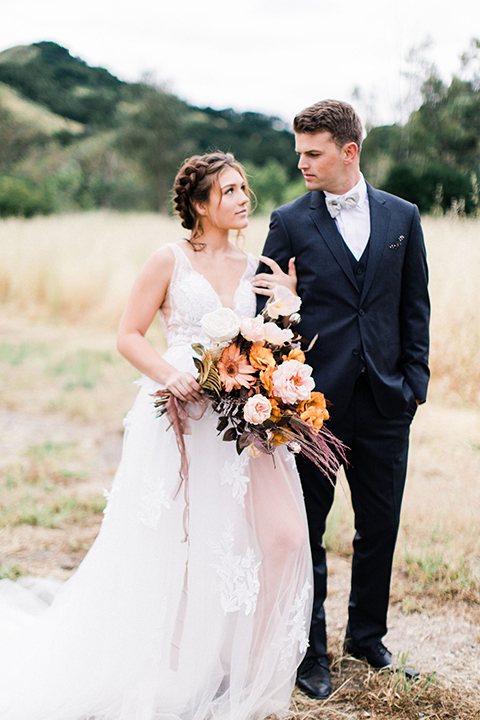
<point>321,161</point>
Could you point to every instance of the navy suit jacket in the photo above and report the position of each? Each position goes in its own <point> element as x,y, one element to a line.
<point>386,323</point>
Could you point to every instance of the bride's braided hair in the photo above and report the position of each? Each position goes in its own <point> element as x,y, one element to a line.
<point>194,183</point>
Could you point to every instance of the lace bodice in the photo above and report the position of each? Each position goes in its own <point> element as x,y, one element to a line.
<point>192,296</point>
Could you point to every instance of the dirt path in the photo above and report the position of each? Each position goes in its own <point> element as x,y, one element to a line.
<point>443,638</point>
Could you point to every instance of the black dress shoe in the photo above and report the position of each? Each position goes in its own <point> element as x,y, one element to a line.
<point>313,678</point>
<point>378,656</point>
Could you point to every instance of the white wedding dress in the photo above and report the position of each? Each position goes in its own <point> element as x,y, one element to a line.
<point>155,628</point>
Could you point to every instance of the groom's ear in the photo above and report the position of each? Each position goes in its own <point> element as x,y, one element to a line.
<point>350,152</point>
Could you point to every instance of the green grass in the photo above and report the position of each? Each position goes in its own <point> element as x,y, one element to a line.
<point>52,450</point>
<point>29,509</point>
<point>82,368</point>
<point>17,353</point>
<point>11,572</point>
<point>432,573</point>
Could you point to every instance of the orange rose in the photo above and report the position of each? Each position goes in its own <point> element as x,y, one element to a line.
<point>276,413</point>
<point>261,357</point>
<point>295,354</point>
<point>266,379</point>
<point>278,438</point>
<point>314,411</point>
<point>317,399</point>
<point>314,417</point>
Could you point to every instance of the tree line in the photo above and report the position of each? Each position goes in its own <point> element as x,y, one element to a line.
<point>125,141</point>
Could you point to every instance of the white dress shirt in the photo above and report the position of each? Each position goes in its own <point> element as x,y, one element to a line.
<point>354,225</point>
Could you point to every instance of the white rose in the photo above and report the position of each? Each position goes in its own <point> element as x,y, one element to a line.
<point>252,329</point>
<point>221,325</point>
<point>284,302</point>
<point>275,335</point>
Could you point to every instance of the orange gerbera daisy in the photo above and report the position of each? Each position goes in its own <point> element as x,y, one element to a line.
<point>261,357</point>
<point>234,369</point>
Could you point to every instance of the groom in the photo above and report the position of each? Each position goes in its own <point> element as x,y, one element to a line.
<point>362,276</point>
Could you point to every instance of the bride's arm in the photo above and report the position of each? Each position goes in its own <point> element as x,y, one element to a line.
<point>147,296</point>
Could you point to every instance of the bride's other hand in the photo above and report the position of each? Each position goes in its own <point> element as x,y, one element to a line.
<point>265,283</point>
<point>184,386</point>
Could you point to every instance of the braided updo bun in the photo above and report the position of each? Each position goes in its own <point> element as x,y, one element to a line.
<point>194,183</point>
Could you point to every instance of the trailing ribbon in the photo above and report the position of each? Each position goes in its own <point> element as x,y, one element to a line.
<point>180,413</point>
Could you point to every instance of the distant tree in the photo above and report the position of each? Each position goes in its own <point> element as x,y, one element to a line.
<point>268,183</point>
<point>383,146</point>
<point>21,197</point>
<point>16,140</point>
<point>251,137</point>
<point>154,137</point>
<point>439,146</point>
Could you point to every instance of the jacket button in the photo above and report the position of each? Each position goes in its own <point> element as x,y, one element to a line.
<point>361,312</point>
<point>359,271</point>
<point>355,351</point>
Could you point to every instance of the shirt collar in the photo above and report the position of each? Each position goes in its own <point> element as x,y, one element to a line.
<point>360,187</point>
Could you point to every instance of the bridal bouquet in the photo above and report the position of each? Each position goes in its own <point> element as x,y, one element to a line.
<point>256,378</point>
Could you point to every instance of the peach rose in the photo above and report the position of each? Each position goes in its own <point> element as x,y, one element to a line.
<point>292,382</point>
<point>257,409</point>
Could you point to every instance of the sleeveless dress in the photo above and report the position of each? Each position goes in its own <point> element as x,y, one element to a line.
<point>153,627</point>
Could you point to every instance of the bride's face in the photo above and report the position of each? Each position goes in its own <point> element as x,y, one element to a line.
<point>227,208</point>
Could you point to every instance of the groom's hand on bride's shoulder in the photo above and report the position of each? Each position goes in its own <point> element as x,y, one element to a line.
<point>265,283</point>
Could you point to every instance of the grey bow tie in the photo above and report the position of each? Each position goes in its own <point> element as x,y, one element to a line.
<point>347,202</point>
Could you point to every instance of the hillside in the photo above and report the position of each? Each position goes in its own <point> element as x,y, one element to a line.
<point>35,114</point>
<point>46,73</point>
<point>87,139</point>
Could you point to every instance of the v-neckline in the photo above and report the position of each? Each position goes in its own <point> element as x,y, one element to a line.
<point>242,278</point>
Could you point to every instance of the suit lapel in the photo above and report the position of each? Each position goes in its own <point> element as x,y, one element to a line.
<point>328,230</point>
<point>379,219</point>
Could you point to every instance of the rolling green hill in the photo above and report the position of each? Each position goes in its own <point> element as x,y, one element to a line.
<point>35,114</point>
<point>90,139</point>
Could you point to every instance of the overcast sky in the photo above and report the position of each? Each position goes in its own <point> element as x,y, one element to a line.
<point>271,56</point>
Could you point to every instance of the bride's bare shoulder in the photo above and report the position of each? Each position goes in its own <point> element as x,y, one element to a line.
<point>162,258</point>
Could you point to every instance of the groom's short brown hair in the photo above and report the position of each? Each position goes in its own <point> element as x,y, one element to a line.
<point>333,116</point>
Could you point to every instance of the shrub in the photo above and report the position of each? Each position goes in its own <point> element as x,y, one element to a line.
<point>21,197</point>
<point>421,186</point>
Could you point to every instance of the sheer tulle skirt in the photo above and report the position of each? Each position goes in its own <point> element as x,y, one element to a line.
<point>155,627</point>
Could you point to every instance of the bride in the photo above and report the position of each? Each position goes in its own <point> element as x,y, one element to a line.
<point>190,605</point>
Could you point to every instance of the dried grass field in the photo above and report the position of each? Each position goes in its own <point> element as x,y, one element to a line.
<point>64,390</point>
